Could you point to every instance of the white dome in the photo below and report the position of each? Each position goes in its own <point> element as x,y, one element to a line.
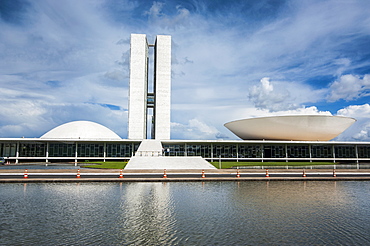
<point>293,127</point>
<point>81,130</point>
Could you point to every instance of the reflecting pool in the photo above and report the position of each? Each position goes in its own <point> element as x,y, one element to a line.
<point>186,213</point>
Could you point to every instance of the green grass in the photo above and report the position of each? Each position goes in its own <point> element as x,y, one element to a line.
<point>224,165</point>
<point>231,164</point>
<point>106,165</point>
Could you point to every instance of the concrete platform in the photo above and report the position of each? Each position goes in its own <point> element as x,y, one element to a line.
<point>168,162</point>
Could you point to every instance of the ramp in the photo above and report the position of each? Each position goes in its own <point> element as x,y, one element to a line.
<point>150,156</point>
<point>150,147</point>
<point>168,162</point>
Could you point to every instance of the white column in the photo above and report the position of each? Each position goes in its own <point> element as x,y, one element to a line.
<point>105,151</point>
<point>333,149</point>
<point>47,151</point>
<point>76,153</point>
<point>17,153</point>
<point>357,162</point>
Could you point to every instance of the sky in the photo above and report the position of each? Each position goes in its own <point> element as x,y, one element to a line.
<point>63,61</point>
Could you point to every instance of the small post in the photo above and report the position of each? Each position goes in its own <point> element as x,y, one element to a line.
<point>267,173</point>
<point>25,174</point>
<point>219,162</point>
<point>237,173</point>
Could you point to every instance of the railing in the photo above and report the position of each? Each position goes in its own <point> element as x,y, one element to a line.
<point>148,153</point>
<point>339,166</point>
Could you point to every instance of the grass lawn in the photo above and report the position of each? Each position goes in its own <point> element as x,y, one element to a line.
<point>231,164</point>
<point>107,164</point>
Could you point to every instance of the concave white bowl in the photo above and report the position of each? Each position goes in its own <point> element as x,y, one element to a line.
<point>292,127</point>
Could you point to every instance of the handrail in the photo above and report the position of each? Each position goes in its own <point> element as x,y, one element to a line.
<point>148,153</point>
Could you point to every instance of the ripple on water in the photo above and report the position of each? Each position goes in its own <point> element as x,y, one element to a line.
<point>210,213</point>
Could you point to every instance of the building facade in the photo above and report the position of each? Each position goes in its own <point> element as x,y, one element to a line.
<point>140,98</point>
<point>47,150</point>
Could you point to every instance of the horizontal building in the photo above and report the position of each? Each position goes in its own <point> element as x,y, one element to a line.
<point>78,150</point>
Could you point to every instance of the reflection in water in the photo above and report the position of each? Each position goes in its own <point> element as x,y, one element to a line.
<point>204,213</point>
<point>147,213</point>
<point>24,188</point>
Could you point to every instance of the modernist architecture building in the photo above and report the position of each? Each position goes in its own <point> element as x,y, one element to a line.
<point>140,98</point>
<point>291,127</point>
<point>80,149</point>
<point>288,138</point>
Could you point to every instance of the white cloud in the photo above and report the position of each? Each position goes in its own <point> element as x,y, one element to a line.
<point>115,75</point>
<point>349,87</point>
<point>157,18</point>
<point>71,57</point>
<point>194,129</point>
<point>343,64</point>
<point>37,117</point>
<point>356,111</point>
<point>360,130</point>
<point>265,97</point>
<point>281,96</point>
<point>306,39</point>
<point>303,111</point>
<point>65,64</point>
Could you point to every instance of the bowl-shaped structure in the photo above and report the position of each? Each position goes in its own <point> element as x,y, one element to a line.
<point>294,127</point>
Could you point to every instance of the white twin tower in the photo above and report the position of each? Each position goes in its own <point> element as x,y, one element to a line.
<point>149,94</point>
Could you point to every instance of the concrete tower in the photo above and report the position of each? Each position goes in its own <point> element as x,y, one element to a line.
<point>139,97</point>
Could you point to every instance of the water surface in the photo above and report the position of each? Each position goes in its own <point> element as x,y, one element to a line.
<point>189,213</point>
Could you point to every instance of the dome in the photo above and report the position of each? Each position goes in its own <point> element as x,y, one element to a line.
<point>81,130</point>
<point>293,127</point>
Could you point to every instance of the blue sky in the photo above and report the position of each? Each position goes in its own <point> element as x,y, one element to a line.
<point>67,60</point>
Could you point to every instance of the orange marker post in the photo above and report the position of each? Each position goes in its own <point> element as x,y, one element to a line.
<point>25,174</point>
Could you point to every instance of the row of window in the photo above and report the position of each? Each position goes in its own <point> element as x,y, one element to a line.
<point>204,150</point>
<point>268,151</point>
<point>68,150</point>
